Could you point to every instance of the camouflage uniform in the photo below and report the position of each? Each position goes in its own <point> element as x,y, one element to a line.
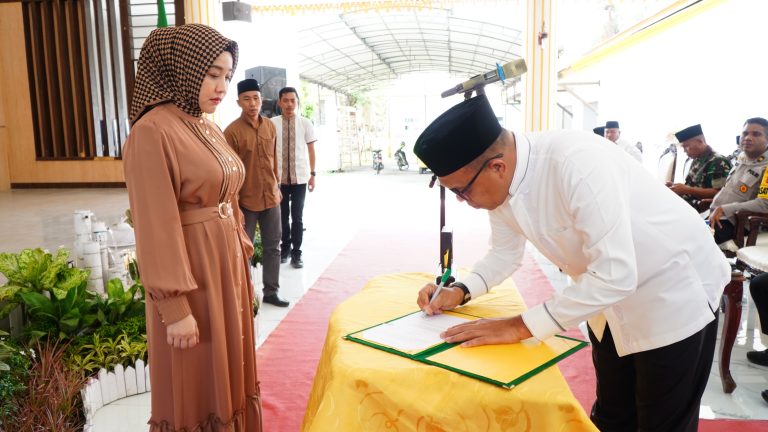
<point>708,171</point>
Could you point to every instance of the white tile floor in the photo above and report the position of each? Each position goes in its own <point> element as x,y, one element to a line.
<point>342,204</point>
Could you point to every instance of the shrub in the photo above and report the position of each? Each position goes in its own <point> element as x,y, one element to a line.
<point>34,270</point>
<point>120,343</point>
<point>258,248</point>
<point>51,400</point>
<point>13,380</point>
<point>119,303</point>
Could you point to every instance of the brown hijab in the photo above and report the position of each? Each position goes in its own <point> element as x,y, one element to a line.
<point>172,65</point>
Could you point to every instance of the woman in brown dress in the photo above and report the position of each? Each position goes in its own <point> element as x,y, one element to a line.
<point>183,182</point>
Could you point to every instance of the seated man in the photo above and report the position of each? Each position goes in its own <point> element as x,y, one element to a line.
<point>758,287</point>
<point>708,170</point>
<point>613,133</point>
<point>743,189</point>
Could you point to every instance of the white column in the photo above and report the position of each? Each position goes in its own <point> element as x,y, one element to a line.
<point>540,84</point>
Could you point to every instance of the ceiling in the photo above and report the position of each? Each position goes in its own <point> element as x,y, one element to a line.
<point>364,50</point>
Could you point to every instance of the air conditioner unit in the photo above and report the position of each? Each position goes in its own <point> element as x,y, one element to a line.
<point>236,11</point>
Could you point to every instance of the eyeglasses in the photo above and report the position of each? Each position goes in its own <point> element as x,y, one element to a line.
<point>462,193</point>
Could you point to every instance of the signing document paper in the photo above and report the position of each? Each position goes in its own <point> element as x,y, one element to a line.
<point>413,333</point>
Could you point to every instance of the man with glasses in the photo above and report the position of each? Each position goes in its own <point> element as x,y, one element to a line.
<point>647,275</point>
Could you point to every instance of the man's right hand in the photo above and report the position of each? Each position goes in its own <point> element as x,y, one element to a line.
<point>449,298</point>
<point>183,333</point>
<point>715,216</point>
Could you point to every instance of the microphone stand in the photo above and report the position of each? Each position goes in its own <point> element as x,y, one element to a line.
<point>446,235</point>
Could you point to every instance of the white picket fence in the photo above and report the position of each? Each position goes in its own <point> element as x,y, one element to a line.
<point>111,386</point>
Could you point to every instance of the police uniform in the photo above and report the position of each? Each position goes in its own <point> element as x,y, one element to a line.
<point>745,189</point>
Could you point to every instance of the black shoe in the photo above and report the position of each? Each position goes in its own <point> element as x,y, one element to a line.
<point>296,261</point>
<point>273,299</point>
<point>758,357</point>
<point>764,394</point>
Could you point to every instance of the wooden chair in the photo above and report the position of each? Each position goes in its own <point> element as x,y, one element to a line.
<point>753,258</point>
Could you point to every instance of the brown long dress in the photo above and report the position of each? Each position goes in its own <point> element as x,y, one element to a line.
<point>192,254</point>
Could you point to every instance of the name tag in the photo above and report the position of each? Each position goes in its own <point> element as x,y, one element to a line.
<point>749,178</point>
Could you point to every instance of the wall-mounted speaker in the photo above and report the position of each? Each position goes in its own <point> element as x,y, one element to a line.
<point>271,80</point>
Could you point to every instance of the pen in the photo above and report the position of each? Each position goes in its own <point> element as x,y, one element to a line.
<point>443,284</point>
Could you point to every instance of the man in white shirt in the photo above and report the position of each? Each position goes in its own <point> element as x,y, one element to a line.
<point>613,134</point>
<point>296,165</point>
<point>646,272</point>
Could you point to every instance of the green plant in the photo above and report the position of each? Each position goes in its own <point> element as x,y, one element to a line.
<point>258,248</point>
<point>5,352</point>
<point>107,352</point>
<point>67,317</point>
<point>34,270</point>
<point>119,303</point>
<point>307,106</point>
<point>13,381</point>
<point>123,342</point>
<point>51,400</point>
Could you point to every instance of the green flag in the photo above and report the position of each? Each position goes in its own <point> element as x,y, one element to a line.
<point>162,19</point>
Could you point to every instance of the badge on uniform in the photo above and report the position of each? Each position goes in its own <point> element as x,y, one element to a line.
<point>743,188</point>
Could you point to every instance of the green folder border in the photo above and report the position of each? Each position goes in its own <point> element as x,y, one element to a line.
<point>423,356</point>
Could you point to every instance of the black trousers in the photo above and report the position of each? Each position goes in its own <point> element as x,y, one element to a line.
<point>726,231</point>
<point>657,390</point>
<point>758,287</point>
<point>292,206</point>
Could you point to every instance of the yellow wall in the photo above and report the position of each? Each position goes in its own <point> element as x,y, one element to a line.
<point>17,142</point>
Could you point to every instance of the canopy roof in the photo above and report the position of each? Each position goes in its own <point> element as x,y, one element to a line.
<point>363,50</point>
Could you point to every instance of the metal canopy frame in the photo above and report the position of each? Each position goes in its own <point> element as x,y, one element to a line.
<point>368,49</point>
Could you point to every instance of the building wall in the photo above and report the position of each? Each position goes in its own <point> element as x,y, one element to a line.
<point>18,166</point>
<point>704,65</point>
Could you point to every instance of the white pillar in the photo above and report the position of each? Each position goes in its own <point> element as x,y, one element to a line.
<point>540,84</point>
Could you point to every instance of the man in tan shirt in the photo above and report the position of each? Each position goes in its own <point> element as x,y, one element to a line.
<point>252,136</point>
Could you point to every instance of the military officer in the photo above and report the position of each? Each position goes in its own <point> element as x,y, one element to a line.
<point>708,170</point>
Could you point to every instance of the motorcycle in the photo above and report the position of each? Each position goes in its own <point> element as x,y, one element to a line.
<point>402,162</point>
<point>378,165</point>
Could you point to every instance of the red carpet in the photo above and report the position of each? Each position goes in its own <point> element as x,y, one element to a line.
<point>288,358</point>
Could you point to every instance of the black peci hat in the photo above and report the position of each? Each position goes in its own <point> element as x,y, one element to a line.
<point>600,130</point>
<point>612,124</point>
<point>458,136</point>
<point>688,133</point>
<point>248,84</point>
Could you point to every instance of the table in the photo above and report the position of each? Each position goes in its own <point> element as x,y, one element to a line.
<point>358,388</point>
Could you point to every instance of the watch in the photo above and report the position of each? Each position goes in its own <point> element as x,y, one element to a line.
<point>467,294</point>
<point>312,173</point>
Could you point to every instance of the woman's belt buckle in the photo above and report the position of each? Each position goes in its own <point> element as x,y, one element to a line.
<point>225,209</point>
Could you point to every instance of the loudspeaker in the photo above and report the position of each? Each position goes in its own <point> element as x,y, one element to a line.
<point>271,80</point>
<point>236,11</point>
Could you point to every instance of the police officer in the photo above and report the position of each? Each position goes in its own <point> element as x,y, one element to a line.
<point>747,185</point>
<point>708,170</point>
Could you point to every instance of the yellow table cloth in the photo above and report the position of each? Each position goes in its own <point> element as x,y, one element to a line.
<point>358,388</point>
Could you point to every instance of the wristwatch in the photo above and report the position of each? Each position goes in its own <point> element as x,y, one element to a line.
<point>467,294</point>
<point>312,173</point>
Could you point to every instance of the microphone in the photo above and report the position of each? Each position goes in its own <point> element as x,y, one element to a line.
<point>513,69</point>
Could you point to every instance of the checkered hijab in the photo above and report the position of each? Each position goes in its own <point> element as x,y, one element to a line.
<point>172,65</point>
